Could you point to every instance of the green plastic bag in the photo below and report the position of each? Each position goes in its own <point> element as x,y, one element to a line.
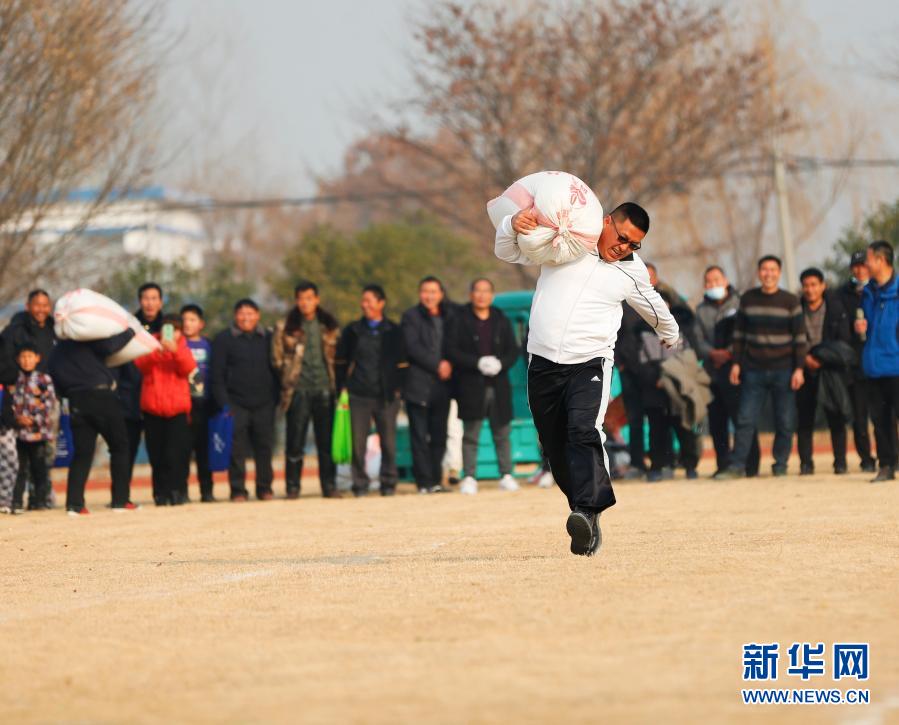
<point>342,438</point>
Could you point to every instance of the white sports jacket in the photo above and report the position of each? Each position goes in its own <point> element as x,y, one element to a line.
<point>576,312</point>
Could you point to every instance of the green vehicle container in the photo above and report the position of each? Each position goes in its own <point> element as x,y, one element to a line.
<point>525,446</point>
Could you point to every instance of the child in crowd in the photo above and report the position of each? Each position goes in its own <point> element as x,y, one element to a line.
<point>165,403</point>
<point>9,457</point>
<point>34,405</point>
<point>192,324</point>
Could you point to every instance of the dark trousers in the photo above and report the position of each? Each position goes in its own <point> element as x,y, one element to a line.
<point>858,392</point>
<point>569,403</point>
<point>807,409</point>
<point>33,462</point>
<point>199,443</point>
<point>427,437</point>
<point>661,449</point>
<point>134,429</point>
<point>93,413</point>
<point>168,446</point>
<point>755,385</point>
<point>254,433</point>
<point>317,407</point>
<point>884,405</point>
<point>633,407</point>
<point>723,411</point>
<point>499,429</point>
<point>362,411</point>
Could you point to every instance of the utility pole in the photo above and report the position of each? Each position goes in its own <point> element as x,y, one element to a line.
<point>786,226</point>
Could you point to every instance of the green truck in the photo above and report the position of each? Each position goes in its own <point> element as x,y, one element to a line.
<point>525,447</point>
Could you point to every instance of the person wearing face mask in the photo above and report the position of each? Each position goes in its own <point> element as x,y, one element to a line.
<point>575,317</point>
<point>714,332</point>
<point>850,295</point>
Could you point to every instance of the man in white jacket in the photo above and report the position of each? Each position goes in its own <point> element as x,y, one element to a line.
<point>574,323</point>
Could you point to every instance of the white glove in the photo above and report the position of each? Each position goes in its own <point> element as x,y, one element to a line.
<point>489,365</point>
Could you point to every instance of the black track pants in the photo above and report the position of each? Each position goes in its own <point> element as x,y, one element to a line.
<point>569,403</point>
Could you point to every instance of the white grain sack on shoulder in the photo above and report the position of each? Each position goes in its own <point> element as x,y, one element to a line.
<point>569,216</point>
<point>85,315</point>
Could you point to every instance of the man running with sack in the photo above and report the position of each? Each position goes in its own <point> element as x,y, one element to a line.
<point>575,317</point>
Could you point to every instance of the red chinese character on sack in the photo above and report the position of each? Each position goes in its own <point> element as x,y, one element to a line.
<point>578,193</point>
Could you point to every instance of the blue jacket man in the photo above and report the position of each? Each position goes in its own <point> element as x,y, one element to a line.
<point>880,357</point>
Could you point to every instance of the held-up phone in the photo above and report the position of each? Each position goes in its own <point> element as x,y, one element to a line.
<point>168,332</point>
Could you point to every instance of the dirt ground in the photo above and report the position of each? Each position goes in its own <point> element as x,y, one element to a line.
<point>447,608</point>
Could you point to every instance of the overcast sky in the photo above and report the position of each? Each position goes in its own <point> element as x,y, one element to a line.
<point>279,88</point>
<point>294,74</point>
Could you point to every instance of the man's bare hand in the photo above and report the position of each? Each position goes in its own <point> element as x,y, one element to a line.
<point>811,362</point>
<point>735,375</point>
<point>524,221</point>
<point>719,357</point>
<point>798,379</point>
<point>444,370</point>
<point>861,326</point>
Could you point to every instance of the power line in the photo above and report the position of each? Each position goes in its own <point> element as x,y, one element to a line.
<point>298,201</point>
<point>815,162</point>
<point>793,163</point>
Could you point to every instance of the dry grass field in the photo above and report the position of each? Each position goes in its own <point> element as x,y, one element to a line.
<point>447,608</point>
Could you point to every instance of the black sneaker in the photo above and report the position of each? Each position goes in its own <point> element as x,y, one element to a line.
<point>728,474</point>
<point>779,471</point>
<point>597,537</point>
<point>582,528</point>
<point>868,466</point>
<point>806,469</point>
<point>207,498</point>
<point>388,491</point>
<point>884,474</point>
<point>840,469</point>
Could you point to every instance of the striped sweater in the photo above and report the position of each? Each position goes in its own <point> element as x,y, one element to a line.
<point>769,332</point>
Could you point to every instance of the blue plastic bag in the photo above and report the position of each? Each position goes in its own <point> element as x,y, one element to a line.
<point>221,435</point>
<point>65,444</point>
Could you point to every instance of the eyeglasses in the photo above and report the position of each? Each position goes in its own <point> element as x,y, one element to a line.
<point>634,246</point>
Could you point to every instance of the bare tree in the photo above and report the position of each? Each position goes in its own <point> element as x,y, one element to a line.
<point>641,99</point>
<point>731,218</point>
<point>76,77</point>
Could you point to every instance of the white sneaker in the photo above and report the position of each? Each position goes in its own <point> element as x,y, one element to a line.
<point>469,486</point>
<point>508,483</point>
<point>546,480</point>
